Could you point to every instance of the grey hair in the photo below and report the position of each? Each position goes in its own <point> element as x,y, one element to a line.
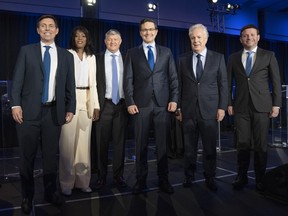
<point>112,32</point>
<point>204,28</point>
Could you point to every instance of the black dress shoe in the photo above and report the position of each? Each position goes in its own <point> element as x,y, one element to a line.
<point>260,187</point>
<point>54,198</point>
<point>166,187</point>
<point>120,182</point>
<point>188,181</point>
<point>100,183</point>
<point>211,184</point>
<point>26,206</point>
<point>139,187</point>
<point>240,181</point>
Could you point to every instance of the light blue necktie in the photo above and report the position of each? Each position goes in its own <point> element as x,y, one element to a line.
<point>199,67</point>
<point>248,63</point>
<point>47,65</point>
<point>115,85</point>
<point>150,57</point>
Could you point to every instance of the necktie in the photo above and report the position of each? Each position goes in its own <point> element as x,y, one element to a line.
<point>47,64</point>
<point>248,63</point>
<point>150,57</point>
<point>199,67</point>
<point>115,87</point>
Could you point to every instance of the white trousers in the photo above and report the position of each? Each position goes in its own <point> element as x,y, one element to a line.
<point>74,147</point>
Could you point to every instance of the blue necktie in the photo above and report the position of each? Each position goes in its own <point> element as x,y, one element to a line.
<point>47,65</point>
<point>150,57</point>
<point>115,85</point>
<point>248,63</point>
<point>199,67</point>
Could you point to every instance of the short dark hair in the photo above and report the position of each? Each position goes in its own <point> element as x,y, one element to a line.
<point>45,17</point>
<point>247,27</point>
<point>147,20</point>
<point>88,49</point>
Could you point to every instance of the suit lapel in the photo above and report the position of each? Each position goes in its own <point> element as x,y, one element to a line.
<point>38,55</point>
<point>143,56</point>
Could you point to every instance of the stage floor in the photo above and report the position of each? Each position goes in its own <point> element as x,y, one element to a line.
<point>195,201</point>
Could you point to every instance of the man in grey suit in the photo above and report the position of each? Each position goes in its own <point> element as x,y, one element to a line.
<point>203,101</point>
<point>151,94</point>
<point>257,99</point>
<point>112,123</point>
<point>39,119</point>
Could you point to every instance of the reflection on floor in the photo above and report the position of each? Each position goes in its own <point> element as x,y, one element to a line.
<point>196,201</point>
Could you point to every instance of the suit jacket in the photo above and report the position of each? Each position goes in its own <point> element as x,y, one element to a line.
<point>27,85</point>
<point>211,91</point>
<point>92,96</point>
<point>101,78</point>
<point>140,83</point>
<point>265,70</point>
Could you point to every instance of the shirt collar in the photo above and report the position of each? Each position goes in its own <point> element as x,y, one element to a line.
<point>203,53</point>
<point>151,44</point>
<point>253,50</point>
<point>53,45</point>
<point>117,53</point>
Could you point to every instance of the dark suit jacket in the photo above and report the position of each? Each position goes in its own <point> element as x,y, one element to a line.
<point>211,91</point>
<point>140,83</point>
<point>265,71</point>
<point>101,78</point>
<point>28,79</point>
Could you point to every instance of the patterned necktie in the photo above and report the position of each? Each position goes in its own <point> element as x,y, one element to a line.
<point>115,85</point>
<point>199,67</point>
<point>248,63</point>
<point>47,65</point>
<point>150,57</point>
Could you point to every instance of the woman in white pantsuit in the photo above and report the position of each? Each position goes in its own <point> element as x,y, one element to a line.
<point>74,147</point>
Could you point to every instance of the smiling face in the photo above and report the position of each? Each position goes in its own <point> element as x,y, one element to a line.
<point>80,39</point>
<point>148,32</point>
<point>198,38</point>
<point>249,38</point>
<point>113,42</point>
<point>47,30</point>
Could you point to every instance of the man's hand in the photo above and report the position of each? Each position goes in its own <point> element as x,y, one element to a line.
<point>17,114</point>
<point>172,106</point>
<point>274,112</point>
<point>133,109</point>
<point>220,115</point>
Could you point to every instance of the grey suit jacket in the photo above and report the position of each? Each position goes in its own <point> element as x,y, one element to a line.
<point>211,92</point>
<point>265,71</point>
<point>27,83</point>
<point>140,83</point>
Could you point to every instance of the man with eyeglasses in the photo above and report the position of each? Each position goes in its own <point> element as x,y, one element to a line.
<point>151,94</point>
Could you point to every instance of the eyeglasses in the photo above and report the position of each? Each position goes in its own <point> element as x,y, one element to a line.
<point>148,30</point>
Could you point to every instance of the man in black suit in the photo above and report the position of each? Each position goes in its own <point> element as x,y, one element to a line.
<point>112,123</point>
<point>203,100</point>
<point>39,119</point>
<point>257,99</point>
<point>151,94</point>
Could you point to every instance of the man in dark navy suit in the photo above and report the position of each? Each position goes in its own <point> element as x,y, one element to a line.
<point>203,101</point>
<point>112,123</point>
<point>151,94</point>
<point>39,116</point>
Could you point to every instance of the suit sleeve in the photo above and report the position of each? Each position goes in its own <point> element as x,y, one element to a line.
<point>276,81</point>
<point>70,94</point>
<point>173,79</point>
<point>18,79</point>
<point>222,85</point>
<point>128,85</point>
